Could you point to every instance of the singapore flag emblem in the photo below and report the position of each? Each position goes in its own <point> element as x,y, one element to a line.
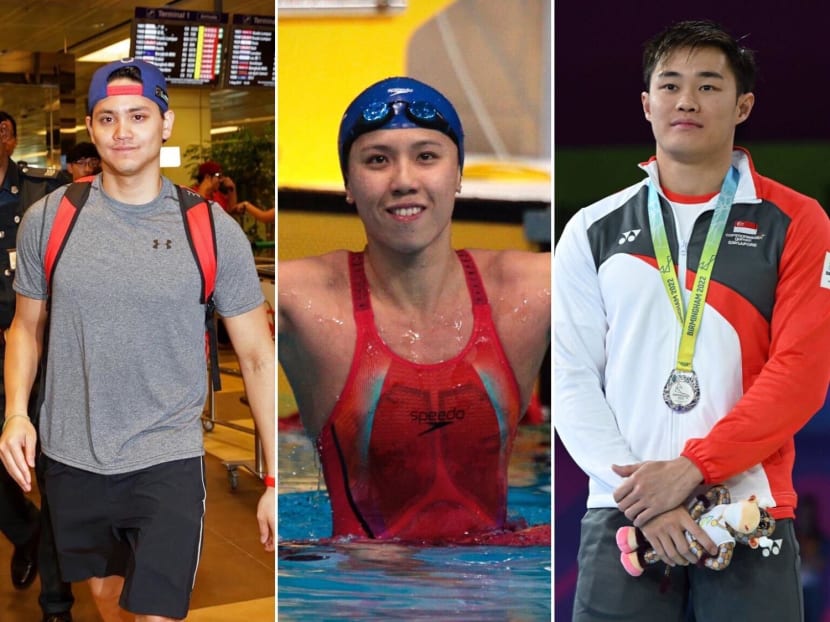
<point>746,227</point>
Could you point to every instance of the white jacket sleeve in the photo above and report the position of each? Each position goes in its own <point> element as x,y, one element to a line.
<point>581,414</point>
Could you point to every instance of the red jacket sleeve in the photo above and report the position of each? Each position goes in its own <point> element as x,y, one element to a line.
<point>793,383</point>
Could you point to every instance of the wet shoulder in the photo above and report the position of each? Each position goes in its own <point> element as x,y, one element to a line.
<point>504,271</point>
<point>319,277</point>
<point>309,290</point>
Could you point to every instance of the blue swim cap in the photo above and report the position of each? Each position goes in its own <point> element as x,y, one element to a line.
<point>397,103</point>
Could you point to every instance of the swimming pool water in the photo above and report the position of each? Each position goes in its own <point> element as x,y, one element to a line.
<point>387,581</point>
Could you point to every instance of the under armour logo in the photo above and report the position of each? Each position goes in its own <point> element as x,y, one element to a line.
<point>167,243</point>
<point>629,236</point>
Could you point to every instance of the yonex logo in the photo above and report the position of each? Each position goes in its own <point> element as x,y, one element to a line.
<point>628,236</point>
<point>769,546</point>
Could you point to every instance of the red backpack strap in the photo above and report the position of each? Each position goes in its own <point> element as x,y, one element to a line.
<point>68,210</point>
<point>201,234</point>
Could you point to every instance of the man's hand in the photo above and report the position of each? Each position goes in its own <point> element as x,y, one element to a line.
<point>17,450</point>
<point>666,534</point>
<point>265,518</point>
<point>651,488</point>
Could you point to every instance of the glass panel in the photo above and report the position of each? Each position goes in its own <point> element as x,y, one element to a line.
<point>36,109</point>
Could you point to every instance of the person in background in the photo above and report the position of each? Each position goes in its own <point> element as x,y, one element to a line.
<point>412,362</point>
<point>692,326</point>
<point>125,379</point>
<point>83,160</point>
<point>9,137</point>
<point>257,213</point>
<point>214,185</point>
<point>29,530</point>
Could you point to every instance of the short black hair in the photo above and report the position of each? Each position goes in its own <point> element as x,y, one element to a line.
<point>81,150</point>
<point>131,72</point>
<point>693,34</point>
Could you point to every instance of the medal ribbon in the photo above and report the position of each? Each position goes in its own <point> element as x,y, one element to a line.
<point>692,319</point>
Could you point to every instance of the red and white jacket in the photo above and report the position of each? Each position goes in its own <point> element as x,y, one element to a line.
<point>762,355</point>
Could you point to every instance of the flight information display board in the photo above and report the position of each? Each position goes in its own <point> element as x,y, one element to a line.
<point>251,52</point>
<point>187,46</point>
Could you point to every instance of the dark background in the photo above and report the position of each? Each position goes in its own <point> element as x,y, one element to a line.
<point>598,79</point>
<point>600,135</point>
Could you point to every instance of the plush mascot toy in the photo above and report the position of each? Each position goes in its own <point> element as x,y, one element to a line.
<point>725,522</point>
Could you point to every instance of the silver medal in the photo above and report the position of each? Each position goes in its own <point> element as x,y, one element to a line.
<point>682,391</point>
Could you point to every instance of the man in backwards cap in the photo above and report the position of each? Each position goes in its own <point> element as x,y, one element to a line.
<point>125,382</point>
<point>414,387</point>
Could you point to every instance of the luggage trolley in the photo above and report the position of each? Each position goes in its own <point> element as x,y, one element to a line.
<point>266,272</point>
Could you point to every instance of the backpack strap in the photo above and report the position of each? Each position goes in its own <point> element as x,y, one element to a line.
<point>201,234</point>
<point>68,210</point>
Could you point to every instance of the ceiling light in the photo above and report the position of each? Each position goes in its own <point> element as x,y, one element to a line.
<point>116,51</point>
<point>73,130</point>
<point>226,129</point>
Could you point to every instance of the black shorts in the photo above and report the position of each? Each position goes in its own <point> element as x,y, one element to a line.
<point>145,526</point>
<point>760,584</point>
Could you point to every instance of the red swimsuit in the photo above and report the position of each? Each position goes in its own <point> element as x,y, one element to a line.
<point>420,452</point>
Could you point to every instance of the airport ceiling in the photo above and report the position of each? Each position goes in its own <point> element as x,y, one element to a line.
<point>79,27</point>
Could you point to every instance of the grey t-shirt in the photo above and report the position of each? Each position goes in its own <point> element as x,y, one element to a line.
<point>126,377</point>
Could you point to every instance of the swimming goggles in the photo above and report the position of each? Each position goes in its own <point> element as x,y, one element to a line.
<point>421,113</point>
